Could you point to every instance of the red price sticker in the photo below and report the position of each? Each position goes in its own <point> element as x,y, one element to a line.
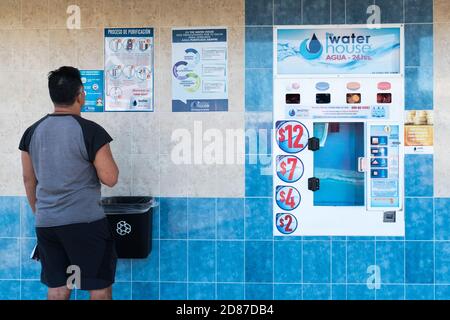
<point>289,168</point>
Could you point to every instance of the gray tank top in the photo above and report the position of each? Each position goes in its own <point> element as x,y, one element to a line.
<point>62,150</point>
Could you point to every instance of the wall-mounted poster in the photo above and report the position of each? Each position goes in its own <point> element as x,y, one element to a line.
<point>349,50</point>
<point>93,86</point>
<point>199,70</point>
<point>419,132</point>
<point>129,69</point>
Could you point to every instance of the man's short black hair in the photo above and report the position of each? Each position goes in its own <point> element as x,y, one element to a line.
<point>64,85</point>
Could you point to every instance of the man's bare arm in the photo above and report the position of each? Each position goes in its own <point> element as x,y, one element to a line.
<point>106,167</point>
<point>29,179</point>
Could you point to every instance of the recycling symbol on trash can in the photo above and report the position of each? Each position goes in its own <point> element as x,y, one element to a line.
<point>123,228</point>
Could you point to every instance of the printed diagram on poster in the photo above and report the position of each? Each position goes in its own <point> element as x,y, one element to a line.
<point>129,70</point>
<point>93,87</point>
<point>419,132</point>
<point>199,70</point>
<point>339,51</point>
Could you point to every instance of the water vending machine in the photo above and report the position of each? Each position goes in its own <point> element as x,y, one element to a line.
<point>338,118</point>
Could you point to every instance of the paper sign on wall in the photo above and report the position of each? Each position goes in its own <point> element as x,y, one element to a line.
<point>93,86</point>
<point>129,69</point>
<point>199,70</point>
<point>419,132</point>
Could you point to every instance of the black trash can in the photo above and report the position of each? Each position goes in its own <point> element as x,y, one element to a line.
<point>131,222</point>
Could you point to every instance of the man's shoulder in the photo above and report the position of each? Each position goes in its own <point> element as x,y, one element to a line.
<point>27,135</point>
<point>86,123</point>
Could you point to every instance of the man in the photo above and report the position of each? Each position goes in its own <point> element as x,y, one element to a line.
<point>64,159</point>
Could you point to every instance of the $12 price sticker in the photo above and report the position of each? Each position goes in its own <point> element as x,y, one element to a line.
<point>288,198</point>
<point>286,223</point>
<point>292,136</point>
<point>289,168</point>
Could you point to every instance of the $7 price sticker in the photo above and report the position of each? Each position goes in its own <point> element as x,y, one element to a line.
<point>289,168</point>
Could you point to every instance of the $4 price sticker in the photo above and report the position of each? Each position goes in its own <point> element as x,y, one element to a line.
<point>288,198</point>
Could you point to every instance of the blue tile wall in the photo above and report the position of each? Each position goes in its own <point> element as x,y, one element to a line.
<point>287,292</point>
<point>419,175</point>
<point>419,292</point>
<point>391,11</point>
<point>173,291</point>
<point>258,89</point>
<point>10,216</point>
<point>338,11</point>
<point>390,257</point>
<point>258,176</point>
<point>360,292</point>
<point>391,292</point>
<point>145,291</point>
<point>201,218</point>
<point>316,12</point>
<point>442,219</point>
<point>287,12</point>
<point>339,262</point>
<point>259,291</point>
<point>230,261</point>
<point>258,218</point>
<point>339,292</point>
<point>442,262</point>
<point>316,262</point>
<point>360,255</point>
<point>258,47</point>
<point>201,291</point>
<point>227,291</point>
<point>419,264</point>
<point>287,261</point>
<point>224,248</point>
<point>202,261</point>
<point>418,11</point>
<point>9,289</point>
<point>419,218</point>
<point>356,11</point>
<point>259,261</point>
<point>316,292</point>
<point>230,218</point>
<point>442,292</point>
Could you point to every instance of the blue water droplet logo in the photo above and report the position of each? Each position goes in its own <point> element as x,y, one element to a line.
<point>292,112</point>
<point>311,49</point>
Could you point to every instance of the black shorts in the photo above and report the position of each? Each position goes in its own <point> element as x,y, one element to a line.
<point>87,247</point>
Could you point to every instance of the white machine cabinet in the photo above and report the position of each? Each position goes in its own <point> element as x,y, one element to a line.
<point>338,142</point>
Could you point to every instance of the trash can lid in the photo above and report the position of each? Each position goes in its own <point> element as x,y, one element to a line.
<point>128,205</point>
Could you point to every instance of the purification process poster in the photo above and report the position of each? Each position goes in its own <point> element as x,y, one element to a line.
<point>338,51</point>
<point>199,70</point>
<point>129,69</point>
<point>93,86</point>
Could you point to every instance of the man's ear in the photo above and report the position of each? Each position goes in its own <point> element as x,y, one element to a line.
<point>81,99</point>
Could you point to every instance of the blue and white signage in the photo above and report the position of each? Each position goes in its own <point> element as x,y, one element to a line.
<point>288,198</point>
<point>338,51</point>
<point>129,69</point>
<point>286,223</point>
<point>199,70</point>
<point>93,86</point>
<point>289,168</point>
<point>292,136</point>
